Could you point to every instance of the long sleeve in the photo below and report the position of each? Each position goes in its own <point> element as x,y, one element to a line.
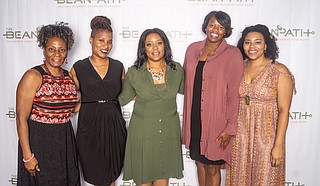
<point>233,94</point>
<point>128,91</point>
<point>181,87</point>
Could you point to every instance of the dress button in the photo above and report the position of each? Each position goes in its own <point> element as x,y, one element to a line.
<point>159,130</point>
<point>160,120</point>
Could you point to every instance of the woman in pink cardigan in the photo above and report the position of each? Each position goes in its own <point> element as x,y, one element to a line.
<point>213,71</point>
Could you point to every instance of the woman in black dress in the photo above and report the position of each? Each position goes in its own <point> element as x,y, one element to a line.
<point>101,132</point>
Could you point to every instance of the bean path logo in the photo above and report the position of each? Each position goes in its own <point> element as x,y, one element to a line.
<point>72,2</point>
<point>284,33</point>
<point>175,35</point>
<point>17,35</point>
<point>11,114</point>
<point>89,3</point>
<point>229,3</point>
<point>299,117</point>
<point>13,180</point>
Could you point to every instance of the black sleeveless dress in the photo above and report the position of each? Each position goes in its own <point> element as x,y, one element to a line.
<point>101,133</point>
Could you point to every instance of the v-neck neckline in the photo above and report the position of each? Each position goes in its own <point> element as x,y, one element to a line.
<point>95,71</point>
<point>257,76</point>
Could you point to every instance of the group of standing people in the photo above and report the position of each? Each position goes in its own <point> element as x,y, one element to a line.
<point>236,109</point>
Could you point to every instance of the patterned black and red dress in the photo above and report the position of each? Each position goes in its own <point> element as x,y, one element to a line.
<point>51,135</point>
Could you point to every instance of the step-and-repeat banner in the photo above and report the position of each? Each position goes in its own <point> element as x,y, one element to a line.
<point>294,22</point>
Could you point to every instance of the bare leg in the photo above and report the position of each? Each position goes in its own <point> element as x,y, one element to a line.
<point>213,175</point>
<point>161,182</point>
<point>112,184</point>
<point>201,173</point>
<point>147,184</point>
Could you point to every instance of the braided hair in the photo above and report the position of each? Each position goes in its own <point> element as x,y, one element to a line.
<point>99,23</point>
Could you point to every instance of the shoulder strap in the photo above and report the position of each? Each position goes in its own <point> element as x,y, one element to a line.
<point>39,69</point>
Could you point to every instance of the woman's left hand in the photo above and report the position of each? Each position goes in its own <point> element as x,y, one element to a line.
<point>224,139</point>
<point>276,156</point>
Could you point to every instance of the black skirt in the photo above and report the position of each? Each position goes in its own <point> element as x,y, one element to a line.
<point>54,147</point>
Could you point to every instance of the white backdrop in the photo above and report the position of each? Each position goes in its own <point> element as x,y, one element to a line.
<point>293,22</point>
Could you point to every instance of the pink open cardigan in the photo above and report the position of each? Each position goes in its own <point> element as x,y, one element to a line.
<point>220,97</point>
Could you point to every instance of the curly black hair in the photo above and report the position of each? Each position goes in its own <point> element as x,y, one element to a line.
<point>99,23</point>
<point>60,30</point>
<point>222,18</point>
<point>141,53</point>
<point>272,50</point>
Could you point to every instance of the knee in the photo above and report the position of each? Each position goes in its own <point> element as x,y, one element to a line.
<point>200,165</point>
<point>213,170</point>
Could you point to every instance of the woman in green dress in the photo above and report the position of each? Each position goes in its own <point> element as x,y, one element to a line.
<point>153,149</point>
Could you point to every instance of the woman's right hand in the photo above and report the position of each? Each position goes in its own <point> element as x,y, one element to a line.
<point>32,166</point>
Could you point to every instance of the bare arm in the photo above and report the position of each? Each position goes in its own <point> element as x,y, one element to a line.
<point>73,75</point>
<point>123,74</point>
<point>285,92</point>
<point>26,90</point>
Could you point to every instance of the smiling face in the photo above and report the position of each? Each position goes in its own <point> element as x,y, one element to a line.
<point>254,45</point>
<point>101,44</point>
<point>154,47</point>
<point>55,52</point>
<point>215,31</point>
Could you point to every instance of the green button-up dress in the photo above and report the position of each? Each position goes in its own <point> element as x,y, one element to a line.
<point>153,148</point>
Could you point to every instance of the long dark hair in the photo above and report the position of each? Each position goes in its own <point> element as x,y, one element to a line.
<point>272,50</point>
<point>141,53</point>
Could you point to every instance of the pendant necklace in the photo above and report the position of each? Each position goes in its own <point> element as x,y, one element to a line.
<point>249,86</point>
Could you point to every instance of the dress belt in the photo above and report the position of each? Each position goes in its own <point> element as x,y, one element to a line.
<point>102,101</point>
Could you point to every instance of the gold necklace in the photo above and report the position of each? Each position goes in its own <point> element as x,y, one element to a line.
<point>156,75</point>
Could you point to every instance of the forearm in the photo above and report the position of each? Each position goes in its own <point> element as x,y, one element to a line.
<point>76,107</point>
<point>281,128</point>
<point>23,134</point>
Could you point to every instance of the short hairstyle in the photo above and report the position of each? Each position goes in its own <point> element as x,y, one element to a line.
<point>59,30</point>
<point>222,18</point>
<point>99,23</point>
<point>272,50</point>
<point>141,53</point>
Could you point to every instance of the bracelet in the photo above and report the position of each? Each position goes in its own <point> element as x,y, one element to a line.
<point>26,161</point>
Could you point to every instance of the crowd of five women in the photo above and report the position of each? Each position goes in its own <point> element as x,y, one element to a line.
<point>236,109</point>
